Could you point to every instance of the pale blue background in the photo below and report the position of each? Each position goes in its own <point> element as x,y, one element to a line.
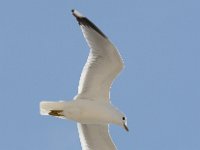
<point>42,52</point>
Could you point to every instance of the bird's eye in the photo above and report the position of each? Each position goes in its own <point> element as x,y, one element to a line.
<point>123,118</point>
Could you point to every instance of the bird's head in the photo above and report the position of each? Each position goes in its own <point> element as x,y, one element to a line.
<point>124,123</point>
<point>121,120</point>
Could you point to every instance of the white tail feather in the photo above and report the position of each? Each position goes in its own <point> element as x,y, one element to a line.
<point>46,107</point>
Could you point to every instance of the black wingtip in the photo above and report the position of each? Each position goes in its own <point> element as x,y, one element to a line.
<point>77,14</point>
<point>86,22</point>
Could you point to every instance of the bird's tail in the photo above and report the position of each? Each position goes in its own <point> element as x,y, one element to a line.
<point>52,108</point>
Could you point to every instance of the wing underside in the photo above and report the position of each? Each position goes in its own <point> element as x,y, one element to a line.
<point>103,63</point>
<point>95,137</point>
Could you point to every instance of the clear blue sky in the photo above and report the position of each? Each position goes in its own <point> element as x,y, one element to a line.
<point>42,52</point>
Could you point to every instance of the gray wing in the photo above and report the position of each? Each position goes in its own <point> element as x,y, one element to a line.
<point>103,63</point>
<point>95,137</point>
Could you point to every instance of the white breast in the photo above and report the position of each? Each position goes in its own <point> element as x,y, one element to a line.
<point>91,112</point>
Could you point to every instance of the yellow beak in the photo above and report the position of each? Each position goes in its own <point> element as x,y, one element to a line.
<point>125,127</point>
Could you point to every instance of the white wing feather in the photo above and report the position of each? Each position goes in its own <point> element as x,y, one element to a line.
<point>102,66</point>
<point>95,137</point>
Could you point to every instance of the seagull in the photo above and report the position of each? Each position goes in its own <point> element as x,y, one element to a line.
<point>91,108</point>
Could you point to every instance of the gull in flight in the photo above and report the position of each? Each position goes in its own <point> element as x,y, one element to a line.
<point>91,107</point>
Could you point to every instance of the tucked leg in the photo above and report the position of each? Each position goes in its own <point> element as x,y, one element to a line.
<point>56,113</point>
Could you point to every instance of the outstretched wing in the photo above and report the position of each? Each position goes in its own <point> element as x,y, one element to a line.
<point>103,63</point>
<point>95,137</point>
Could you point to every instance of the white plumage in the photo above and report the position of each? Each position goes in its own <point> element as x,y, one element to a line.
<point>91,107</point>
<point>95,137</point>
<point>102,66</point>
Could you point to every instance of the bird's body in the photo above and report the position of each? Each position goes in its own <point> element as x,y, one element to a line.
<point>84,111</point>
<point>91,107</point>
